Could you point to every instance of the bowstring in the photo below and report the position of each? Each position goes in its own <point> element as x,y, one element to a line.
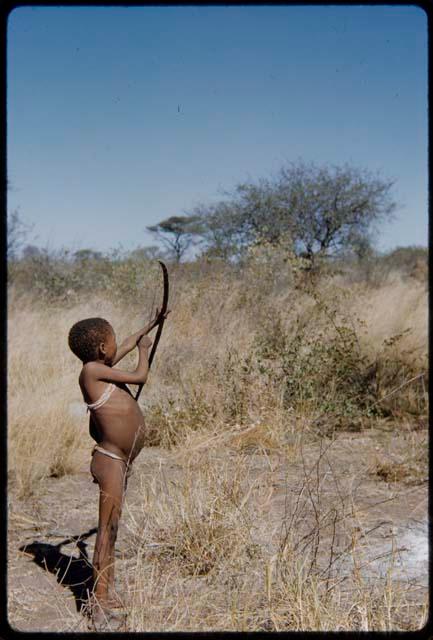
<point>151,310</point>
<point>150,314</point>
<point>153,304</point>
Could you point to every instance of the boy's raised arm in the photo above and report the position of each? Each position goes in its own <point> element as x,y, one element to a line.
<point>101,371</point>
<point>129,343</point>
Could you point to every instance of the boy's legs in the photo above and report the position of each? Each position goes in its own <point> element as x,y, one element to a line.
<point>110,475</point>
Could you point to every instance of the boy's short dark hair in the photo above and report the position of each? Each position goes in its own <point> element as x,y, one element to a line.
<point>85,337</point>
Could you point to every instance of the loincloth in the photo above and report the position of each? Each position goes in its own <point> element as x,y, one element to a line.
<point>110,454</point>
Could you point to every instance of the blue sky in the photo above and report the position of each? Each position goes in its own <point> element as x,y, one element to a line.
<point>121,117</point>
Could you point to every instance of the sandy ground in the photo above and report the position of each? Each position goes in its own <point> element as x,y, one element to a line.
<point>388,516</point>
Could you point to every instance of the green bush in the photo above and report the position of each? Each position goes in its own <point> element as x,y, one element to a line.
<point>319,366</point>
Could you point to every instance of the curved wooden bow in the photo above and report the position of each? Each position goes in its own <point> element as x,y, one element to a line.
<point>161,313</point>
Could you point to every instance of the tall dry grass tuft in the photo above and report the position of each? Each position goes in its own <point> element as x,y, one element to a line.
<point>200,524</point>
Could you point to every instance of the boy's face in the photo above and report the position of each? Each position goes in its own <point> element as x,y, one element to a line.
<point>109,348</point>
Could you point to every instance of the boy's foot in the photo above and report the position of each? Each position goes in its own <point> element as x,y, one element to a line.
<point>114,601</point>
<point>106,619</point>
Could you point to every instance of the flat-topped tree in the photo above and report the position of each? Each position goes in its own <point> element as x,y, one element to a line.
<point>176,233</point>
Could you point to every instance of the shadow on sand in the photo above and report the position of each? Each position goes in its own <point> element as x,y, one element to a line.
<point>71,572</point>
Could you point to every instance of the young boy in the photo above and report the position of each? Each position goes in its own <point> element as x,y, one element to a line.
<point>117,426</point>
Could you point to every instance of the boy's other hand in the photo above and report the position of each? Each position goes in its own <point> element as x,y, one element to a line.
<point>145,342</point>
<point>160,316</point>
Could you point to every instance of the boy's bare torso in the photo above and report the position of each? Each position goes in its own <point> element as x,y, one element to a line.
<point>118,425</point>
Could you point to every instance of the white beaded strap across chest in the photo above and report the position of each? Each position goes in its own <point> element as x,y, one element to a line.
<point>103,399</point>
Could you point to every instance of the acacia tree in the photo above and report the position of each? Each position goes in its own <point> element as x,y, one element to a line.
<point>313,210</point>
<point>176,233</point>
<point>332,209</point>
<point>218,230</point>
<point>86,255</point>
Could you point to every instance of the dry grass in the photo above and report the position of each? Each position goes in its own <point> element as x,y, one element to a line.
<point>218,400</point>
<point>408,462</point>
<point>209,559</point>
<point>203,385</point>
<point>201,521</point>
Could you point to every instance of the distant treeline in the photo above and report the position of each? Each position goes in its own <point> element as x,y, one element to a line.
<point>57,275</point>
<point>321,217</point>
